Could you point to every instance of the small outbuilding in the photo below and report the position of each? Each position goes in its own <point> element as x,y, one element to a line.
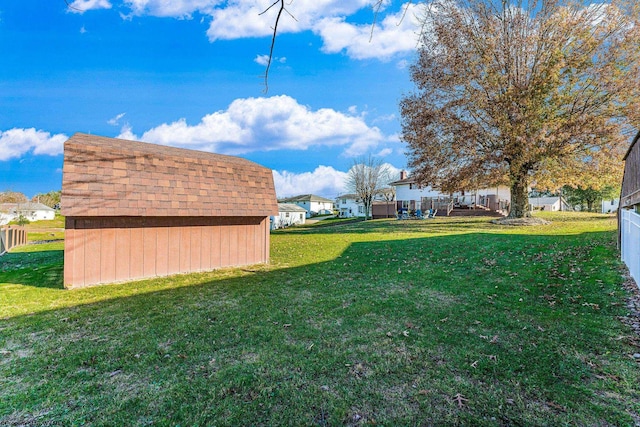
<point>136,210</point>
<point>629,213</point>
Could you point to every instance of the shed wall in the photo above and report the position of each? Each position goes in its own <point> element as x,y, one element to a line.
<point>630,194</point>
<point>115,249</point>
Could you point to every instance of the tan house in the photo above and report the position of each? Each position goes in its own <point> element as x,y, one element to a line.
<point>135,210</point>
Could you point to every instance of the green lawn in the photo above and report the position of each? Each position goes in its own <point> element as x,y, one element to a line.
<point>434,322</point>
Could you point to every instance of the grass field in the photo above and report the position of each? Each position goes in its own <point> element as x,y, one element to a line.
<point>435,322</point>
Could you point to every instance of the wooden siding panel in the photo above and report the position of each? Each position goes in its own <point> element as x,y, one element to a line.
<point>92,257</point>
<point>108,255</point>
<point>196,249</point>
<point>185,249</point>
<point>216,239</point>
<point>150,251</point>
<point>224,245</point>
<point>136,263</point>
<point>173,264</point>
<point>123,254</point>
<point>162,251</point>
<point>205,248</point>
<point>104,250</point>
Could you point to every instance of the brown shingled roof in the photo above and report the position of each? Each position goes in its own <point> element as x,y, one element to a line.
<point>115,177</point>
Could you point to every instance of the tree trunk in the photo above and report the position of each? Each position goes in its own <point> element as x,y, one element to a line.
<point>519,197</point>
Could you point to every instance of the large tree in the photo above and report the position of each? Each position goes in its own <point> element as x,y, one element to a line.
<point>522,91</point>
<point>366,178</point>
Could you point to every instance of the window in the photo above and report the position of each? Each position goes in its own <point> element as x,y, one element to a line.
<point>361,209</point>
<point>405,204</point>
<point>287,215</point>
<point>344,201</point>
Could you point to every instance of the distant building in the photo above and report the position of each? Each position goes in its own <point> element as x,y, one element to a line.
<point>548,204</point>
<point>314,205</point>
<point>411,196</point>
<point>30,210</point>
<point>609,206</point>
<point>288,215</point>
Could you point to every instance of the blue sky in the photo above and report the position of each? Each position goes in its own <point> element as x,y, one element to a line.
<point>188,73</point>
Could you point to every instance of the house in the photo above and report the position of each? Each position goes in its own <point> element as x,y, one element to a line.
<point>629,213</point>
<point>412,196</point>
<point>609,206</point>
<point>30,210</point>
<point>136,210</point>
<point>548,204</point>
<point>288,215</point>
<point>313,204</point>
<point>349,206</point>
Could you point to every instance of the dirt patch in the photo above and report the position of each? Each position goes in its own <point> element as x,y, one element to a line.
<point>520,221</point>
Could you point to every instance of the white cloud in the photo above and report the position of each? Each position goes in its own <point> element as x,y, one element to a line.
<point>264,60</point>
<point>396,33</point>
<point>324,181</point>
<point>182,9</point>
<point>265,124</point>
<point>114,121</point>
<point>81,6</point>
<point>242,18</point>
<point>17,142</point>
<point>384,152</point>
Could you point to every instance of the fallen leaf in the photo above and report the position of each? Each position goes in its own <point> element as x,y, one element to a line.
<point>405,333</point>
<point>474,364</point>
<point>459,399</point>
<point>494,339</point>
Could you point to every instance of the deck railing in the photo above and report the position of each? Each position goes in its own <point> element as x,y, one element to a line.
<point>12,236</point>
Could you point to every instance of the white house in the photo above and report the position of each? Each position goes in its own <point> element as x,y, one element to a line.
<point>29,210</point>
<point>549,204</point>
<point>609,206</point>
<point>349,206</point>
<point>412,196</point>
<point>288,215</point>
<point>311,203</point>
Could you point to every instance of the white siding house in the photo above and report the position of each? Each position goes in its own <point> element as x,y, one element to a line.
<point>412,196</point>
<point>349,206</point>
<point>288,215</point>
<point>548,204</point>
<point>311,203</point>
<point>609,206</point>
<point>29,210</point>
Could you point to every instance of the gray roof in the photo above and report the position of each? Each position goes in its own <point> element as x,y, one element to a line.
<point>306,198</point>
<point>290,207</point>
<point>27,206</point>
<point>543,200</point>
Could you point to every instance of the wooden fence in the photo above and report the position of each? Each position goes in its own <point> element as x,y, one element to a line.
<point>12,236</point>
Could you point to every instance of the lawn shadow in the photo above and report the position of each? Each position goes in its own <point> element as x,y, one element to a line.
<point>40,269</point>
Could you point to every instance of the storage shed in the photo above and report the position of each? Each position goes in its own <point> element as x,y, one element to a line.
<point>629,212</point>
<point>135,210</point>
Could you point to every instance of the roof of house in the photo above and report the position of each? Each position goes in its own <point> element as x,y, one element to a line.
<point>26,206</point>
<point>408,180</point>
<point>306,198</point>
<point>290,207</point>
<point>116,177</point>
<point>348,196</point>
<point>544,200</point>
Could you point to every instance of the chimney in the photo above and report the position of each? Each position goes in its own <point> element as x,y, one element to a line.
<point>403,174</point>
